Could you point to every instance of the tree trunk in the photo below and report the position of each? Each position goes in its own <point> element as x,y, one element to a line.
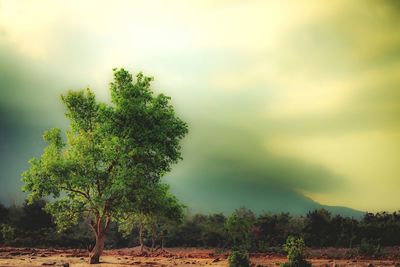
<point>141,238</point>
<point>97,249</point>
<point>153,236</point>
<point>100,232</point>
<point>162,242</point>
<point>153,242</point>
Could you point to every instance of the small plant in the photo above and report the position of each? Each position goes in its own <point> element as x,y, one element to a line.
<point>239,259</point>
<point>294,247</point>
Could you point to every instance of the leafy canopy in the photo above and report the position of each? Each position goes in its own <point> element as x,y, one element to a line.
<point>113,154</point>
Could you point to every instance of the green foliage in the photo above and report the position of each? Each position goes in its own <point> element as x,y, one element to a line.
<point>273,229</point>
<point>369,248</point>
<point>161,205</point>
<point>66,212</point>
<point>113,158</point>
<point>199,231</point>
<point>318,228</point>
<point>34,217</point>
<point>7,233</point>
<point>155,215</point>
<point>294,247</point>
<point>113,152</point>
<point>239,258</point>
<point>4,218</point>
<point>240,226</point>
<point>213,232</point>
<point>30,225</point>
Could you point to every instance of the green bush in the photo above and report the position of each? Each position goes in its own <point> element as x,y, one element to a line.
<point>369,248</point>
<point>239,259</point>
<point>294,247</point>
<point>7,233</point>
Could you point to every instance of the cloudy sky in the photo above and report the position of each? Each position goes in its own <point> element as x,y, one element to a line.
<point>289,103</point>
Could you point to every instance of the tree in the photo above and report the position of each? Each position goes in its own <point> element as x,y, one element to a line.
<point>170,212</point>
<point>33,216</point>
<point>3,220</point>
<point>344,230</point>
<point>295,249</point>
<point>213,232</point>
<point>272,229</point>
<point>240,226</point>
<point>154,215</point>
<point>318,229</point>
<point>3,214</point>
<point>112,155</point>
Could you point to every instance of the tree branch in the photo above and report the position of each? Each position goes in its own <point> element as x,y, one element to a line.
<point>92,226</point>
<point>77,191</point>
<point>107,224</point>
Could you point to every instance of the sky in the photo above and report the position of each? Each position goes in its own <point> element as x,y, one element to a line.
<point>290,104</point>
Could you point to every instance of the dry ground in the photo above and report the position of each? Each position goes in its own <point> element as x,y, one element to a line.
<point>172,257</point>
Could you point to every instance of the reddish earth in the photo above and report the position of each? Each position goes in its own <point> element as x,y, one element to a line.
<point>173,257</point>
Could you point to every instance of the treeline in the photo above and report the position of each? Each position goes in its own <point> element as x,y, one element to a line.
<point>29,225</point>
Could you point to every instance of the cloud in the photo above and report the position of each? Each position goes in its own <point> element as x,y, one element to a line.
<point>233,163</point>
<point>226,167</point>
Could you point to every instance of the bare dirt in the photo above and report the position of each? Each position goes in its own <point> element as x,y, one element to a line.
<point>171,257</point>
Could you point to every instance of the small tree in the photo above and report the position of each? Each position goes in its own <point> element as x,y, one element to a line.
<point>239,259</point>
<point>169,213</point>
<point>154,216</point>
<point>294,247</point>
<point>113,154</point>
<point>240,226</point>
<point>134,220</point>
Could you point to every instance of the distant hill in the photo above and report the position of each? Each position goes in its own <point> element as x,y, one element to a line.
<point>209,197</point>
<point>345,211</point>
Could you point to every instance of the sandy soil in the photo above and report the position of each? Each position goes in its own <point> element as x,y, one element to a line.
<point>171,257</point>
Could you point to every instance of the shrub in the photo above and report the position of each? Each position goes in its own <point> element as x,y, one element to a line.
<point>239,259</point>
<point>7,233</point>
<point>369,248</point>
<point>294,247</point>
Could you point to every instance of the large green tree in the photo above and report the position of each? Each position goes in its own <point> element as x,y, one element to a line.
<point>112,155</point>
